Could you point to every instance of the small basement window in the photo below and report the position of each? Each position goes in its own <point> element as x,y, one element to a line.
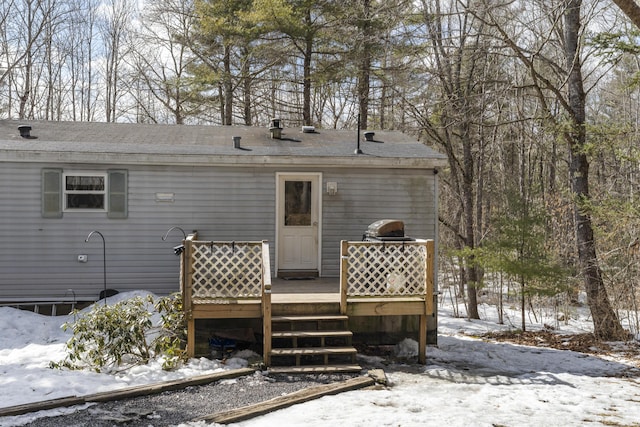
<point>85,191</point>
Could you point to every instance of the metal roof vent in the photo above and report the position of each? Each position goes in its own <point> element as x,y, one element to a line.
<point>236,142</point>
<point>368,135</point>
<point>308,129</point>
<point>25,131</point>
<point>276,129</point>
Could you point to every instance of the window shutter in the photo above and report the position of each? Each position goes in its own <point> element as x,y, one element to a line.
<point>51,204</point>
<point>117,193</point>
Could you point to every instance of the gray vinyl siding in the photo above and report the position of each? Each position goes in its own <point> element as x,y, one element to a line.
<point>38,256</point>
<point>365,196</point>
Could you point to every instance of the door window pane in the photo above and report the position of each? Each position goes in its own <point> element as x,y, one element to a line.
<point>297,203</point>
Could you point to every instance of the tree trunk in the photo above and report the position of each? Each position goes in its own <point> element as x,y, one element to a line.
<point>26,88</point>
<point>221,102</point>
<point>306,82</point>
<point>605,321</point>
<point>365,66</point>
<point>631,9</point>
<point>246,87</point>
<point>470,226</point>
<point>228,87</point>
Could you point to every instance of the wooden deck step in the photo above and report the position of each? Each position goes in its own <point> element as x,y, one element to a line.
<point>312,351</point>
<point>314,369</point>
<point>312,343</point>
<point>281,319</point>
<point>311,334</point>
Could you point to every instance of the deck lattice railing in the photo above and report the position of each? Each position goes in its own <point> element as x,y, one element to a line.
<point>389,278</point>
<point>226,270</point>
<point>386,269</point>
<point>226,275</point>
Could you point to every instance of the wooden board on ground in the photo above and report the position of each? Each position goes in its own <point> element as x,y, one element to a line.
<point>124,393</point>
<point>148,389</point>
<point>40,406</point>
<point>281,402</point>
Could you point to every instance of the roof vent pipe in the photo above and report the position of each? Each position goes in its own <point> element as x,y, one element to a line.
<point>308,129</point>
<point>276,129</point>
<point>236,142</point>
<point>25,131</point>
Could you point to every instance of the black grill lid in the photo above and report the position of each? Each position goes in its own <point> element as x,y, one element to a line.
<point>386,228</point>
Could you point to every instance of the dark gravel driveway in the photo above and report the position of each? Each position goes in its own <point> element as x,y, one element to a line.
<point>176,407</point>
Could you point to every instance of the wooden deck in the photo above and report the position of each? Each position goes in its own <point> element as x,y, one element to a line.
<point>232,280</point>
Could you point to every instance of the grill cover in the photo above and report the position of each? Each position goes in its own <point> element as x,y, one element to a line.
<point>386,228</point>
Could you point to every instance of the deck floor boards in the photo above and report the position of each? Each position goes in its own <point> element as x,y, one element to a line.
<point>318,285</point>
<point>318,290</point>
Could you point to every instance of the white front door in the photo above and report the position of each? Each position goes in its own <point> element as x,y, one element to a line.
<point>298,218</point>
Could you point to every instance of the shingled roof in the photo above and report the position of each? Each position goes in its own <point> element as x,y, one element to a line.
<point>129,143</point>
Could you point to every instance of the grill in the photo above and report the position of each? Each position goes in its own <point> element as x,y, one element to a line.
<point>386,230</point>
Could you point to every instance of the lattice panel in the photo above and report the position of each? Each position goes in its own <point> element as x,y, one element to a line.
<point>226,270</point>
<point>386,269</point>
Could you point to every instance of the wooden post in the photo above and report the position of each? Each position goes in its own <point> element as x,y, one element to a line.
<point>344,272</point>
<point>428,300</point>
<point>429,271</point>
<point>266,304</point>
<point>422,342</point>
<point>266,326</point>
<point>191,337</point>
<point>186,295</point>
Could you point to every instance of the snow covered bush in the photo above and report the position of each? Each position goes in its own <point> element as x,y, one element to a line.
<point>171,338</point>
<point>118,336</point>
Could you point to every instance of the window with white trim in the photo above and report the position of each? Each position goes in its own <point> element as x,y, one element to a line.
<point>85,191</point>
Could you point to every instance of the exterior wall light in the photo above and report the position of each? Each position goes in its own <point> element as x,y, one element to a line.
<point>332,188</point>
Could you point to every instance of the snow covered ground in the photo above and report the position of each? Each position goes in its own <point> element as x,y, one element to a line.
<point>467,381</point>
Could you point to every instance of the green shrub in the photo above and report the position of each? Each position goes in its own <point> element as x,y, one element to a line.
<point>123,335</point>
<point>172,336</point>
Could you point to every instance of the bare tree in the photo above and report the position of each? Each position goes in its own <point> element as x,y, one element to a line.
<point>450,112</point>
<point>160,63</point>
<point>23,38</point>
<point>605,320</point>
<point>564,84</point>
<point>115,27</point>
<point>78,45</point>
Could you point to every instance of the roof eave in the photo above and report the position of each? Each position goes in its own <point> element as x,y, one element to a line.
<point>360,161</point>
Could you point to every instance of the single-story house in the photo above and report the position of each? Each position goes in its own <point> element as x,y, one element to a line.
<point>303,190</point>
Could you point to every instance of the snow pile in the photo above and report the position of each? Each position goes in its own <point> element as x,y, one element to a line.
<point>468,381</point>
